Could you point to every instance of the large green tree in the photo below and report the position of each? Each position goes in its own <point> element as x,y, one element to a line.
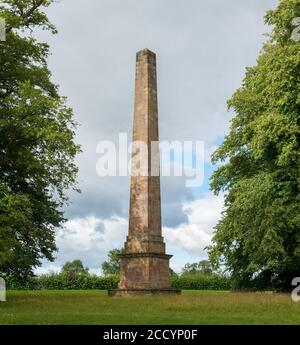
<point>37,147</point>
<point>258,237</point>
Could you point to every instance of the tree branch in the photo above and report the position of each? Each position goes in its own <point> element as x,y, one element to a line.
<point>23,17</point>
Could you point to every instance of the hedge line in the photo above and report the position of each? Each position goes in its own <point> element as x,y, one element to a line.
<point>201,282</point>
<point>64,281</point>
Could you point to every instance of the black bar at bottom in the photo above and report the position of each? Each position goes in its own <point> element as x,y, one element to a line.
<point>144,334</point>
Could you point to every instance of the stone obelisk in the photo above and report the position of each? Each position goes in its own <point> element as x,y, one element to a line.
<point>144,264</point>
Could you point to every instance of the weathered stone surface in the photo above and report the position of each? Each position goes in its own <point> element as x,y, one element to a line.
<point>144,271</point>
<point>144,265</point>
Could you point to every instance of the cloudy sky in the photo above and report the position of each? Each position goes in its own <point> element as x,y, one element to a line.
<point>203,48</point>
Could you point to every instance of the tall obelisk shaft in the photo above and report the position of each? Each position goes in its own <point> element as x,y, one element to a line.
<point>144,265</point>
<point>145,202</point>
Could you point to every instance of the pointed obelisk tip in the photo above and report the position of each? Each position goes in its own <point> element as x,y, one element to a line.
<point>144,52</point>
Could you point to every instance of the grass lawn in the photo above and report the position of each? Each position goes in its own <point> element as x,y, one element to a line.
<point>193,307</point>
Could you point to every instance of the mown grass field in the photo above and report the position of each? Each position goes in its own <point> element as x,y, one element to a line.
<point>192,307</point>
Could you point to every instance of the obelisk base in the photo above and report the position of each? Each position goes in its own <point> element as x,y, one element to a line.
<point>144,274</point>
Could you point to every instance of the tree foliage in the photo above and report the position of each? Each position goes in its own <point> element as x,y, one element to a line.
<point>74,267</point>
<point>201,267</point>
<point>258,237</point>
<point>37,147</point>
<point>112,265</point>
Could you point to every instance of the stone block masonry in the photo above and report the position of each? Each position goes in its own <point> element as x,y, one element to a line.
<point>145,265</point>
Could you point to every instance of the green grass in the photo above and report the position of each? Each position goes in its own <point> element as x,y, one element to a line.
<point>193,307</point>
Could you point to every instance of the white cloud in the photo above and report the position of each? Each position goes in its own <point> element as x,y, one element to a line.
<point>195,235</point>
<point>90,238</point>
<point>91,233</point>
<point>47,268</point>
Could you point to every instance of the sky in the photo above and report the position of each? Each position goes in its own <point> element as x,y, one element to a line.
<point>203,49</point>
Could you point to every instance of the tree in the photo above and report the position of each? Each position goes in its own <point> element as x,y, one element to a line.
<point>74,267</point>
<point>37,147</point>
<point>201,267</point>
<point>258,237</point>
<point>112,265</point>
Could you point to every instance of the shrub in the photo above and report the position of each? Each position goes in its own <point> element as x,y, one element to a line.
<point>201,282</point>
<point>65,281</point>
<point>13,283</point>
